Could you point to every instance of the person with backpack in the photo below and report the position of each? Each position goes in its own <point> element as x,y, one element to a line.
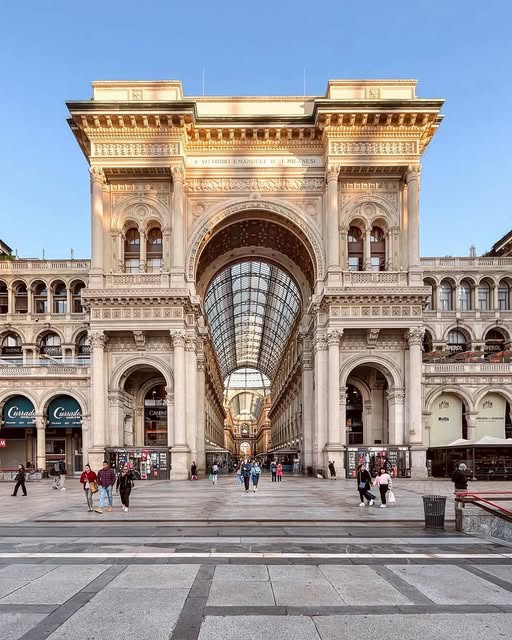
<point>255,475</point>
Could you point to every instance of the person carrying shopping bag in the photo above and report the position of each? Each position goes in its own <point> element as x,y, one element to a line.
<point>364,480</point>
<point>89,481</point>
<point>383,481</point>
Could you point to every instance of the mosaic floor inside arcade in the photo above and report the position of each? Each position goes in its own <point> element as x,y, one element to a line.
<point>296,560</point>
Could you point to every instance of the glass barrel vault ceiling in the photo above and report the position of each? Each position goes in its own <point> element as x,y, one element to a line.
<point>251,308</point>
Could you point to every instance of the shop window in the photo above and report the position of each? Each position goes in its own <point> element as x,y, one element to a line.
<point>355,249</point>
<point>484,296</point>
<point>20,298</point>
<point>456,341</point>
<point>377,249</point>
<point>155,417</point>
<point>465,296</point>
<point>50,345</point>
<point>154,250</point>
<point>132,251</point>
<point>4,298</point>
<point>60,298</point>
<point>40,298</point>
<point>76,297</point>
<point>445,296</point>
<point>504,297</point>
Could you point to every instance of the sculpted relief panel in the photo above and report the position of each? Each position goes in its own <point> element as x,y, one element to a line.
<point>253,184</point>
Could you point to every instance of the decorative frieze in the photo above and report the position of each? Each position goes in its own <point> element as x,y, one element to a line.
<point>134,149</point>
<point>137,313</point>
<point>381,311</point>
<point>254,184</point>
<point>368,148</point>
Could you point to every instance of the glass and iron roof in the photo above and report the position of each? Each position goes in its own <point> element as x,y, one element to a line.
<point>246,406</point>
<point>251,307</point>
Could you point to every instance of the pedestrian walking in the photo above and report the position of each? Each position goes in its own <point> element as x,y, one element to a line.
<point>459,478</point>
<point>255,475</point>
<point>238,479</point>
<point>20,481</point>
<point>364,480</point>
<point>55,473</point>
<point>89,481</point>
<point>124,486</point>
<point>215,473</point>
<point>332,470</point>
<point>246,474</point>
<point>279,472</point>
<point>106,481</point>
<point>273,471</point>
<point>383,481</point>
<point>193,471</point>
<point>62,475</point>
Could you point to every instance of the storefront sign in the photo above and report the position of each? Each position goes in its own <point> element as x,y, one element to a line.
<point>241,162</point>
<point>3,443</point>
<point>19,412</point>
<point>64,411</point>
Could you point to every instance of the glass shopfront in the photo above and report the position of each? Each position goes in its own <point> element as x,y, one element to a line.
<point>483,463</point>
<point>147,463</point>
<point>64,434</point>
<point>398,458</point>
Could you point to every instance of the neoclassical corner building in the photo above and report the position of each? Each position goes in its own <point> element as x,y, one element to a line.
<point>255,286</point>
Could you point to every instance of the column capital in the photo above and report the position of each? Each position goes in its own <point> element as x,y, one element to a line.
<point>178,338</point>
<point>395,396</point>
<point>97,338</point>
<point>97,175</point>
<point>178,174</point>
<point>332,173</point>
<point>334,337</point>
<point>320,343</point>
<point>415,336</point>
<point>190,343</point>
<point>41,422</point>
<point>413,173</point>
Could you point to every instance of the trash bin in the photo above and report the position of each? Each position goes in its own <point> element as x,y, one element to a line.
<point>434,507</point>
<point>310,472</point>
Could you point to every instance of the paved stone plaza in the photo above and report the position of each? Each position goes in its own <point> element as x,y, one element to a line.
<point>297,560</point>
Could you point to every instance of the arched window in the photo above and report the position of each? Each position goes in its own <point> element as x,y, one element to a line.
<point>428,345</point>
<point>60,298</point>
<point>494,342</point>
<point>432,301</point>
<point>132,251</point>
<point>445,296</point>
<point>40,298</point>
<point>456,341</point>
<point>155,417</point>
<point>465,296</point>
<point>20,298</point>
<point>83,347</point>
<point>11,345</point>
<point>377,249</point>
<point>504,296</point>
<point>355,249</point>
<point>4,298</point>
<point>154,250</point>
<point>354,415</point>
<point>76,297</point>
<point>50,345</point>
<point>484,296</point>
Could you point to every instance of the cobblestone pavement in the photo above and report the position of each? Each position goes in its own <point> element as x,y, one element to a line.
<point>295,560</point>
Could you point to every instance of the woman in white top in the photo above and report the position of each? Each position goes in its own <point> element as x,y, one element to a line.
<point>383,481</point>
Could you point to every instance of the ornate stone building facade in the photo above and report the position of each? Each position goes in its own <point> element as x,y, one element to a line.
<point>276,234</point>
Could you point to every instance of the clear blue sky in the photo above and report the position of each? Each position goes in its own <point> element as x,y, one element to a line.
<point>459,50</point>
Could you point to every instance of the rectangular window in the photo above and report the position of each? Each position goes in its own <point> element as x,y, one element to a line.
<point>77,306</point>
<point>132,265</point>
<point>484,302</point>
<point>154,265</point>
<point>60,306</point>
<point>376,264</point>
<point>354,264</point>
<point>41,306</point>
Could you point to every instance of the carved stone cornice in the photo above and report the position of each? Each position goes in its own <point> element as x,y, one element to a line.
<point>97,339</point>
<point>415,336</point>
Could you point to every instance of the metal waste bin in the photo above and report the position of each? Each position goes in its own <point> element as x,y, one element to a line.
<point>434,507</point>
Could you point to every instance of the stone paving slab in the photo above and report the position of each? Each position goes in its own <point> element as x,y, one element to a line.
<point>247,594</point>
<point>503,572</point>
<point>451,585</point>
<point>362,584</point>
<point>242,574</point>
<point>14,625</point>
<point>307,594</point>
<point>9,585</point>
<point>285,628</point>
<point>177,576</point>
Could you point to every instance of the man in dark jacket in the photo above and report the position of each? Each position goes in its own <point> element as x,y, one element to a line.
<point>459,478</point>
<point>246,474</point>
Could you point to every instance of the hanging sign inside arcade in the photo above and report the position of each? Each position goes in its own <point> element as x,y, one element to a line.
<point>64,411</point>
<point>19,412</point>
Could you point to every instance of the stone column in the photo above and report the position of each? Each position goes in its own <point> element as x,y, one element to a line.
<point>97,341</point>
<point>180,449</point>
<point>166,249</point>
<point>415,339</point>
<point>86,422</point>
<point>396,399</point>
<point>97,220</point>
<point>200,393</point>
<point>191,394</point>
<point>307,402</point>
<point>116,426</point>
<point>471,424</point>
<point>332,224</point>
<point>344,248</point>
<point>178,257</point>
<point>413,216</point>
<point>334,448</point>
<point>169,401</point>
<point>142,254</point>
<point>321,398</point>
<point>427,426</point>
<point>367,250</point>
<point>41,442</point>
